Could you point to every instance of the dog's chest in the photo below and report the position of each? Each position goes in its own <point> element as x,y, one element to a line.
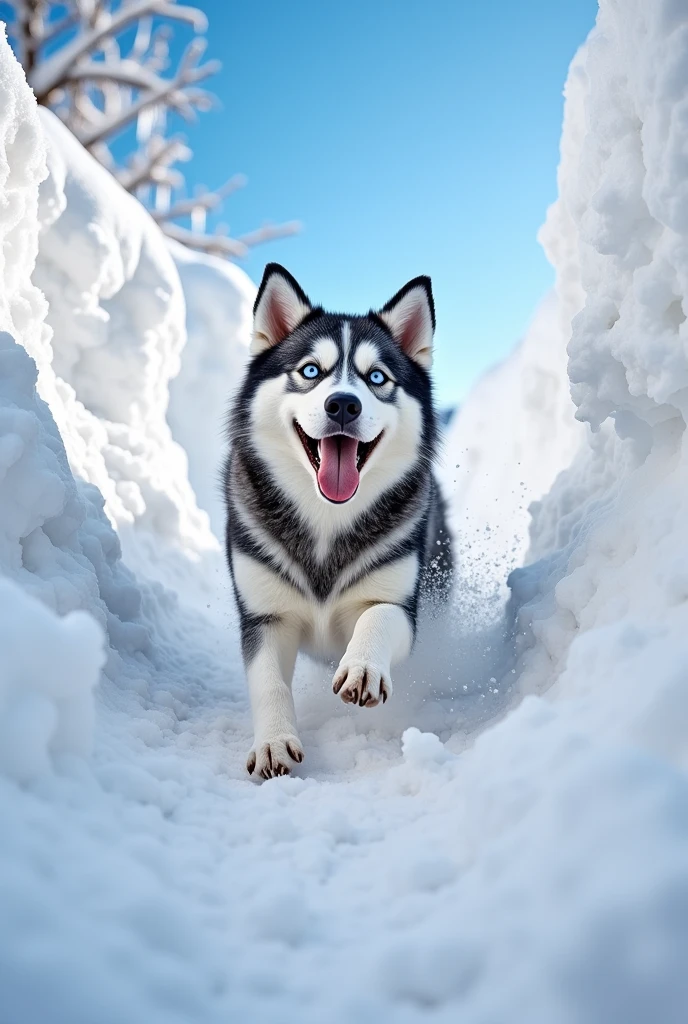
<point>322,627</point>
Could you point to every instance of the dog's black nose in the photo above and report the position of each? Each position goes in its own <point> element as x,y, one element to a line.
<point>343,408</point>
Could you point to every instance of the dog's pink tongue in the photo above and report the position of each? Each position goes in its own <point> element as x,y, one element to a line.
<point>338,474</point>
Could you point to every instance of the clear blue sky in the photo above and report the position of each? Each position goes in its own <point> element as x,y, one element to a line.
<point>409,137</point>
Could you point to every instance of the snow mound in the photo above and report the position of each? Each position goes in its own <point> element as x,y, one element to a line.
<point>605,604</point>
<point>491,474</point>
<point>219,315</point>
<point>116,310</point>
<point>46,705</point>
<point>22,168</point>
<point>56,545</point>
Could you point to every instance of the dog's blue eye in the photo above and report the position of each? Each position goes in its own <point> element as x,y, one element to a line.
<point>377,377</point>
<point>310,371</point>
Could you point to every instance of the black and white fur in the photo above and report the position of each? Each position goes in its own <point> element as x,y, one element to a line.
<point>339,579</point>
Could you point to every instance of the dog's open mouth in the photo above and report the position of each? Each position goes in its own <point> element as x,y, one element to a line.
<point>337,461</point>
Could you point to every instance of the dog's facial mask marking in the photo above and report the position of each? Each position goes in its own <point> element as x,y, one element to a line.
<point>339,389</point>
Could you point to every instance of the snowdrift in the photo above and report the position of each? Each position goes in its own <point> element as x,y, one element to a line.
<point>58,552</point>
<point>534,869</point>
<point>219,314</point>
<point>511,437</point>
<point>605,601</point>
<point>116,312</point>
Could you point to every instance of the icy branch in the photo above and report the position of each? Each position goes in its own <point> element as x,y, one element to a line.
<point>56,70</point>
<point>222,245</point>
<point>204,201</point>
<point>269,232</point>
<point>56,29</point>
<point>103,66</point>
<point>215,245</point>
<point>174,93</point>
<point>152,164</point>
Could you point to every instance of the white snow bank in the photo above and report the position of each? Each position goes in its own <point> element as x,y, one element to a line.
<point>22,168</point>
<point>56,542</point>
<point>607,602</point>
<point>113,289</point>
<point>49,667</point>
<point>116,309</point>
<point>219,311</point>
<point>514,433</point>
<point>58,554</point>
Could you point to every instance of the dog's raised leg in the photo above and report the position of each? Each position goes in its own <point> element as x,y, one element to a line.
<point>382,636</point>
<point>269,670</point>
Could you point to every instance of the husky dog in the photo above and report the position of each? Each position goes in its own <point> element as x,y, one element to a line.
<point>335,525</point>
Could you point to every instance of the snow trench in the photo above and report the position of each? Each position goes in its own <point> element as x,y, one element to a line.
<point>507,839</point>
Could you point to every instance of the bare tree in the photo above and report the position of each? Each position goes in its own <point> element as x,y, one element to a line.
<point>105,68</point>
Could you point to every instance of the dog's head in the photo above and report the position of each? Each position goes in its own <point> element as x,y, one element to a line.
<point>343,400</point>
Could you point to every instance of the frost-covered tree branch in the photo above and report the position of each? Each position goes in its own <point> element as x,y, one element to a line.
<point>220,244</point>
<point>105,68</point>
<point>99,23</point>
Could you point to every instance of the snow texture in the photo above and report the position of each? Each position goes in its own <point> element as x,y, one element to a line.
<point>507,839</point>
<point>219,313</point>
<point>492,474</point>
<point>116,311</point>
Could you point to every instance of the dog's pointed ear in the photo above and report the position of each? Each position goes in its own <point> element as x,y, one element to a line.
<point>410,317</point>
<point>281,305</point>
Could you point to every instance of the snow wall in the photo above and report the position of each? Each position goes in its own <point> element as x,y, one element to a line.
<point>92,324</point>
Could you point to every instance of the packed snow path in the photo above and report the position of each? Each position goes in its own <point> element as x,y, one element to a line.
<point>159,884</point>
<point>166,886</point>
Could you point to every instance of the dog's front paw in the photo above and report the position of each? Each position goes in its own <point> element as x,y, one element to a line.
<point>275,756</point>
<point>362,683</point>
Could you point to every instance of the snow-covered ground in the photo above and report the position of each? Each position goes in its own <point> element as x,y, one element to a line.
<point>507,839</point>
